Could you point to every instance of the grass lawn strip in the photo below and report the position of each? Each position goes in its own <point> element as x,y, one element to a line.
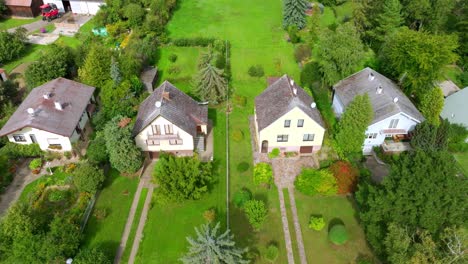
<point>16,22</point>
<point>318,247</point>
<point>287,203</point>
<point>131,237</point>
<point>462,159</point>
<point>116,198</point>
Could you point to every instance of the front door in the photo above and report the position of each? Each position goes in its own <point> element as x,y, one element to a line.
<point>33,138</point>
<point>265,146</point>
<point>306,149</point>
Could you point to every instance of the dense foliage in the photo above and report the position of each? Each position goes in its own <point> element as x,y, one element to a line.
<point>182,178</point>
<point>211,247</point>
<point>96,68</point>
<point>8,94</point>
<point>5,174</point>
<point>272,253</point>
<point>424,192</point>
<point>427,136</point>
<point>294,13</point>
<point>14,151</point>
<point>341,53</point>
<point>432,103</point>
<point>256,213</point>
<point>12,45</point>
<point>316,223</point>
<point>353,125</point>
<point>124,155</point>
<point>97,151</point>
<point>313,182</point>
<point>91,256</point>
<point>35,164</point>
<point>88,178</point>
<point>54,62</point>
<point>263,174</point>
<point>346,176</point>
<point>241,197</point>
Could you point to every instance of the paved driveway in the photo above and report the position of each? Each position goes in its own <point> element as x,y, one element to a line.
<point>32,27</point>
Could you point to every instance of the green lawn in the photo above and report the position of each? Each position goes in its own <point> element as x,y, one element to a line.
<point>116,197</point>
<point>318,248</point>
<point>15,22</point>
<point>31,54</point>
<point>136,220</point>
<point>56,177</point>
<point>462,159</point>
<point>292,231</point>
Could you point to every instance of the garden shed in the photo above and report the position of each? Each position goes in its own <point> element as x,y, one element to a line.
<point>24,8</point>
<point>148,78</point>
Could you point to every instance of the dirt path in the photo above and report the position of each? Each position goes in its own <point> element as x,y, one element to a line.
<point>284,220</point>
<point>22,178</point>
<point>297,226</point>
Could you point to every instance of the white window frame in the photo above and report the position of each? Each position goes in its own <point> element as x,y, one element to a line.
<point>308,137</point>
<point>19,138</point>
<point>282,138</point>
<point>301,122</point>
<point>393,123</point>
<point>287,123</point>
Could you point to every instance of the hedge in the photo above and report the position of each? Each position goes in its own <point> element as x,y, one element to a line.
<point>14,151</point>
<point>193,42</point>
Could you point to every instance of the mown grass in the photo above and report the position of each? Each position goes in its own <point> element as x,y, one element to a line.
<point>292,231</point>
<point>333,209</point>
<point>116,198</point>
<point>16,22</point>
<point>462,159</point>
<point>56,177</point>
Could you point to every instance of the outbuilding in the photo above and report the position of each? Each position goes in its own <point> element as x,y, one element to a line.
<point>24,8</point>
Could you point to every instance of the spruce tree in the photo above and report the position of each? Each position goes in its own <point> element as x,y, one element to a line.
<point>210,84</point>
<point>388,21</point>
<point>209,247</point>
<point>294,13</point>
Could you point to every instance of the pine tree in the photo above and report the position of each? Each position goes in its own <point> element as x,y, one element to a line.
<point>211,248</point>
<point>210,84</point>
<point>294,13</point>
<point>353,125</point>
<point>388,21</point>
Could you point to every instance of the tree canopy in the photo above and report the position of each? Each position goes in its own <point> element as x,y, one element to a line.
<point>12,45</point>
<point>210,84</point>
<point>96,68</point>
<point>88,178</point>
<point>431,105</point>
<point>341,53</point>
<point>294,13</point>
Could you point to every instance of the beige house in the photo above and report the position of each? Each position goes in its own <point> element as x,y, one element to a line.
<point>171,121</point>
<point>53,115</point>
<point>287,118</point>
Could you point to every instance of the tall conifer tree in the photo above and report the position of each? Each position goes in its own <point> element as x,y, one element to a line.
<point>294,13</point>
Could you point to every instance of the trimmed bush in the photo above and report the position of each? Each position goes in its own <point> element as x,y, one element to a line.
<point>243,167</point>
<point>274,153</point>
<point>97,151</point>
<point>313,182</point>
<point>272,253</point>
<point>338,234</point>
<point>15,151</point>
<point>256,213</point>
<point>173,57</point>
<point>192,42</point>
<point>237,135</point>
<point>263,174</point>
<point>346,176</point>
<point>316,223</point>
<point>35,164</point>
<point>256,71</point>
<point>241,197</point>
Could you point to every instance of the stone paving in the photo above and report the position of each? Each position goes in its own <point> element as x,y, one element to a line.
<point>297,226</point>
<point>284,220</point>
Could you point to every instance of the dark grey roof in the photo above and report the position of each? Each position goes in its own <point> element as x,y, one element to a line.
<point>180,109</point>
<point>148,77</point>
<point>279,98</point>
<point>368,81</point>
<point>73,96</point>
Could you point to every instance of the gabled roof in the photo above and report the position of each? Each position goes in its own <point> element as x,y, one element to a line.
<point>384,105</point>
<point>73,96</point>
<point>279,98</point>
<point>456,108</point>
<point>176,106</point>
<point>448,87</point>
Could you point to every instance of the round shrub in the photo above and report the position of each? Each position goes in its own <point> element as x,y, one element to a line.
<point>237,135</point>
<point>243,167</point>
<point>97,151</point>
<point>338,234</point>
<point>316,223</point>
<point>35,164</point>
<point>256,213</point>
<point>272,253</point>
<point>302,52</point>
<point>172,57</point>
<point>263,174</point>
<point>274,153</point>
<point>241,197</point>
<point>256,71</point>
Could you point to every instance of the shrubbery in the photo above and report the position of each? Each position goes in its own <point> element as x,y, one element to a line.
<point>274,153</point>
<point>316,223</point>
<point>338,234</point>
<point>190,42</point>
<point>173,57</point>
<point>241,197</point>
<point>88,178</point>
<point>237,135</point>
<point>5,174</point>
<point>313,182</point>
<point>272,253</point>
<point>346,176</point>
<point>293,34</point>
<point>256,213</point>
<point>35,164</point>
<point>263,174</point>
<point>302,52</point>
<point>13,44</point>
<point>15,151</point>
<point>256,71</point>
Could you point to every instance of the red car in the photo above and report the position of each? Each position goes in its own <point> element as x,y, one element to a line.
<point>49,12</point>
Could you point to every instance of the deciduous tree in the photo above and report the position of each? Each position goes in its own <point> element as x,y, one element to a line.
<point>12,45</point>
<point>211,247</point>
<point>88,178</point>
<point>431,105</point>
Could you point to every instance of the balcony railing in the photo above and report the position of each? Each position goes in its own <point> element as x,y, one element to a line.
<point>163,137</point>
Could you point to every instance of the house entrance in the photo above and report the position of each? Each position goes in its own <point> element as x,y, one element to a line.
<point>306,149</point>
<point>264,146</point>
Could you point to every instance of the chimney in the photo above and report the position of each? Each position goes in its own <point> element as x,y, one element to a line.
<point>31,111</point>
<point>371,76</point>
<point>47,95</point>
<point>294,90</point>
<point>379,90</point>
<point>313,105</point>
<point>395,100</point>
<point>58,105</point>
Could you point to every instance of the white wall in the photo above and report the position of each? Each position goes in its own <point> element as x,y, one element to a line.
<point>42,137</point>
<point>406,123</point>
<point>187,139</point>
<point>295,134</point>
<point>85,7</point>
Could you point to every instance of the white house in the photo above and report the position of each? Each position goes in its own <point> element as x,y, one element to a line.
<point>53,115</point>
<point>87,7</point>
<point>170,121</point>
<point>286,117</point>
<point>394,114</point>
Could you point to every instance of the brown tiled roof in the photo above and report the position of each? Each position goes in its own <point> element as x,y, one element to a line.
<point>382,103</point>
<point>18,2</point>
<point>73,96</point>
<point>278,99</point>
<point>179,108</point>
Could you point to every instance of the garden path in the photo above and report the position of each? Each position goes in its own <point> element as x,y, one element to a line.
<point>284,220</point>
<point>36,25</point>
<point>297,226</point>
<point>145,182</point>
<point>22,178</point>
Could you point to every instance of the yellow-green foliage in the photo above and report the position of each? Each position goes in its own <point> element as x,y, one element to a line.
<point>263,174</point>
<point>312,182</point>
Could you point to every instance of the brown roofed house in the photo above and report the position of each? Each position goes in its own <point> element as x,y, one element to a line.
<point>286,117</point>
<point>24,8</point>
<point>171,121</point>
<point>53,115</point>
